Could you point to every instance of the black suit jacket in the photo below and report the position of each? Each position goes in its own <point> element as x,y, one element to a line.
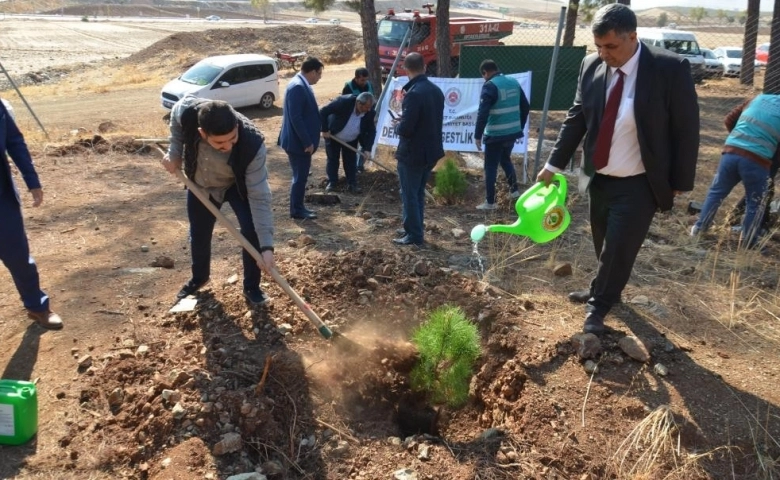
<point>335,115</point>
<point>667,120</point>
<point>420,128</point>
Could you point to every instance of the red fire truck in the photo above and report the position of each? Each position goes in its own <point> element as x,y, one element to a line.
<point>463,31</point>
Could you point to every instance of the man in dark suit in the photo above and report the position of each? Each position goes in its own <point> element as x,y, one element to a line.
<point>349,119</point>
<point>636,107</point>
<point>300,134</point>
<point>14,248</point>
<point>420,145</point>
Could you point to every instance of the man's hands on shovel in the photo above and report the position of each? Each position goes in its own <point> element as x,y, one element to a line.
<point>172,165</point>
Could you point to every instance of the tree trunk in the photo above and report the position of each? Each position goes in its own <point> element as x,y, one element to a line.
<point>772,77</point>
<point>443,44</point>
<point>571,23</point>
<point>749,43</point>
<point>371,44</point>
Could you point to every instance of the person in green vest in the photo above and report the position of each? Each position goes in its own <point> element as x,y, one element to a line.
<point>359,84</point>
<point>503,111</point>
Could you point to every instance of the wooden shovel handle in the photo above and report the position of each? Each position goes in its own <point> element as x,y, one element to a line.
<point>303,306</point>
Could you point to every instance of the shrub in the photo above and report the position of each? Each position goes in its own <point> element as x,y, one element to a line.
<point>449,345</point>
<point>451,183</point>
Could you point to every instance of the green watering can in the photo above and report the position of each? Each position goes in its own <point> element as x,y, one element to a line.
<point>541,212</point>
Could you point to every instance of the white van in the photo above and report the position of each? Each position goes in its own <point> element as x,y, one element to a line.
<point>677,41</point>
<point>240,80</point>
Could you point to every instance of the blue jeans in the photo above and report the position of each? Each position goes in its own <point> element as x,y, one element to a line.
<point>201,229</point>
<point>413,179</point>
<point>15,252</point>
<point>734,168</point>
<point>300,164</point>
<point>498,154</point>
<point>334,150</point>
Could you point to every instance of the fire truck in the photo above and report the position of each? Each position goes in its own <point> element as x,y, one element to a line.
<point>463,31</point>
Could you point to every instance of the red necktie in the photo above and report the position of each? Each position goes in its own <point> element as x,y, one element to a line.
<point>607,128</point>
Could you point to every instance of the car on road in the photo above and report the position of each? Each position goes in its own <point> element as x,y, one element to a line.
<point>731,58</point>
<point>213,18</point>
<point>311,20</point>
<point>712,66</point>
<point>335,21</point>
<point>762,55</point>
<point>241,80</point>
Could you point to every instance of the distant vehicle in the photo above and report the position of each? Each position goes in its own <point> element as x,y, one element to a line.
<point>311,20</point>
<point>677,41</point>
<point>672,25</point>
<point>731,58</point>
<point>335,21</point>
<point>241,80</point>
<point>213,18</point>
<point>712,66</point>
<point>762,55</point>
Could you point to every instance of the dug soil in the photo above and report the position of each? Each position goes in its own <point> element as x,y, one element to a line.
<point>129,390</point>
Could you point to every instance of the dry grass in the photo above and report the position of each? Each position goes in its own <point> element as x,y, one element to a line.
<point>653,443</point>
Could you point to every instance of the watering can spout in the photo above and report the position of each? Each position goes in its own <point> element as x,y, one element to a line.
<point>541,212</point>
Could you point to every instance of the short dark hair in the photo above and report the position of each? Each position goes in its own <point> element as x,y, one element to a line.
<point>361,72</point>
<point>311,64</point>
<point>488,66</point>
<point>217,118</point>
<point>613,17</point>
<point>414,62</point>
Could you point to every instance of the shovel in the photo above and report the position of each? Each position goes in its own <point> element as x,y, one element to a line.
<point>278,278</point>
<point>427,193</point>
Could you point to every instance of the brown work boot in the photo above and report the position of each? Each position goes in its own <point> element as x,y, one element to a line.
<point>47,319</point>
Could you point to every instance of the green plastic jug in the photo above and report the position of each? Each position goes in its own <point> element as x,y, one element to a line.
<point>541,212</point>
<point>18,411</point>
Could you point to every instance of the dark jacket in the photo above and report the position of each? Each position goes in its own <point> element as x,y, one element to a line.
<point>301,121</point>
<point>420,128</point>
<point>667,120</point>
<point>12,141</point>
<point>487,99</point>
<point>335,115</point>
<point>244,151</point>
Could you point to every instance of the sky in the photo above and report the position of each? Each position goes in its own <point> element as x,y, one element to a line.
<point>728,5</point>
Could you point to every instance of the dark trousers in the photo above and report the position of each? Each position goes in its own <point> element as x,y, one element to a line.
<point>621,210</point>
<point>202,228</point>
<point>498,153</point>
<point>413,179</point>
<point>335,150</point>
<point>300,164</point>
<point>15,253</point>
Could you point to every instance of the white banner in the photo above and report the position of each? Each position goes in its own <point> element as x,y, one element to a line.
<point>461,104</point>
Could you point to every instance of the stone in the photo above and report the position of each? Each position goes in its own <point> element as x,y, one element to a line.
<point>284,328</point>
<point>272,468</point>
<point>590,367</point>
<point>660,369</point>
<point>421,268</point>
<point>405,474</point>
<point>231,442</point>
<point>232,279</point>
<point>306,240</point>
<point>634,348</point>
<point>458,232</point>
<point>142,351</point>
<point>178,411</point>
<point>424,452</point>
<point>562,270</point>
<point>116,397</point>
<point>85,362</point>
<point>587,345</point>
<point>162,261</point>
<point>640,300</point>
<point>144,248</point>
<point>247,476</point>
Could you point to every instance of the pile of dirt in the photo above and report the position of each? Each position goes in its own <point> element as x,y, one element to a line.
<point>331,44</point>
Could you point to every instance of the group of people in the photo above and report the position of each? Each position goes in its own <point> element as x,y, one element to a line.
<point>635,107</point>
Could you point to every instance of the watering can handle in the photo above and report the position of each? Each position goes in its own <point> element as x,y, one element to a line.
<point>562,184</point>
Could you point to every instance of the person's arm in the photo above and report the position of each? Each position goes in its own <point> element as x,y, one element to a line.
<point>525,109</point>
<point>410,114</point>
<point>487,99</point>
<point>325,112</point>
<point>683,128</point>
<point>730,121</point>
<point>297,96</point>
<point>259,196</point>
<point>367,131</point>
<point>20,154</point>
<point>572,131</point>
<point>346,90</point>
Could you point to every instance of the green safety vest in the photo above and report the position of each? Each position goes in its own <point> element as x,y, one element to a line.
<point>504,118</point>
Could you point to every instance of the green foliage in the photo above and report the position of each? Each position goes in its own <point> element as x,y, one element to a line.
<point>451,182</point>
<point>697,13</point>
<point>663,19</point>
<point>449,346</point>
<point>318,5</point>
<point>84,18</point>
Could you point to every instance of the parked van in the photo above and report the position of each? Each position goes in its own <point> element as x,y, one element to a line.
<point>240,80</point>
<point>677,41</point>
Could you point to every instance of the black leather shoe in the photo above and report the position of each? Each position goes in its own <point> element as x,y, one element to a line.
<point>580,296</point>
<point>309,215</point>
<point>256,297</point>
<point>354,189</point>
<point>330,187</point>
<point>407,240</point>
<point>190,288</point>
<point>594,323</point>
<point>400,232</point>
<point>361,169</point>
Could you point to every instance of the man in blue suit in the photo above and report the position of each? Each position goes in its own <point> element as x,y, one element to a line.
<point>300,135</point>
<point>14,249</point>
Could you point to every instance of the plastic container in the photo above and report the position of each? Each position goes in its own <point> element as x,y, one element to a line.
<point>18,411</point>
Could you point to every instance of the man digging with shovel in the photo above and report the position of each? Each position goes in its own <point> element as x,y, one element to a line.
<point>224,153</point>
